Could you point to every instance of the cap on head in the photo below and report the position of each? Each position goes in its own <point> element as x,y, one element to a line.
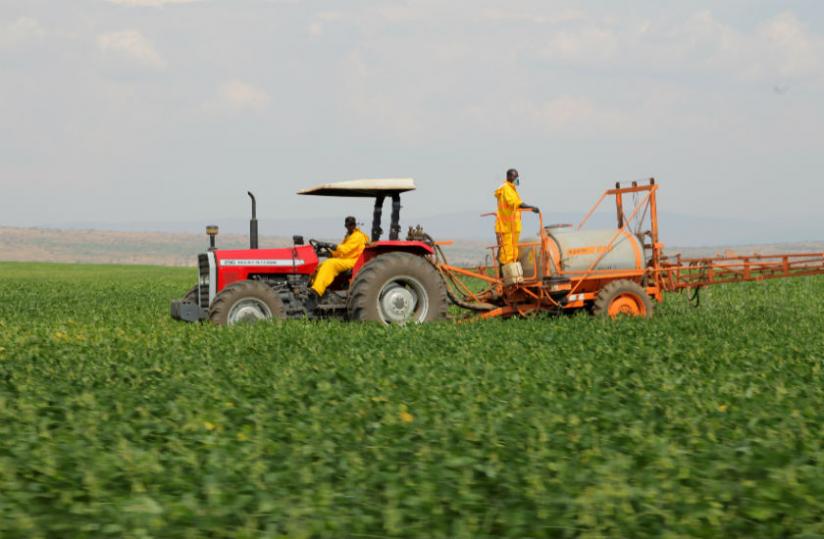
<point>350,221</point>
<point>511,175</point>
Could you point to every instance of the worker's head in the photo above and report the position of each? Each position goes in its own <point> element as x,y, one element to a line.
<point>512,176</point>
<point>350,223</point>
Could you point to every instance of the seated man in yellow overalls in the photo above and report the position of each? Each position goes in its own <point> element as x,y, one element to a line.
<point>343,259</point>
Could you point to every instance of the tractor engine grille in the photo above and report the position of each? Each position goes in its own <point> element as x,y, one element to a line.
<point>203,281</point>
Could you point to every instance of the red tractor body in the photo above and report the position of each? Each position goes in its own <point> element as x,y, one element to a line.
<point>393,281</point>
<point>235,265</point>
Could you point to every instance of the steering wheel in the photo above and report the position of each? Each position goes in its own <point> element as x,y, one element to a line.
<point>322,248</point>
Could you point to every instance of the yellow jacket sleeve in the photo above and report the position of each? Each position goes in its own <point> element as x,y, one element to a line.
<point>352,245</point>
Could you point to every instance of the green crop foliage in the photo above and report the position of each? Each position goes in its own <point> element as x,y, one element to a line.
<point>116,421</point>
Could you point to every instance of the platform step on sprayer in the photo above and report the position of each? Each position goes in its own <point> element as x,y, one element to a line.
<point>608,272</point>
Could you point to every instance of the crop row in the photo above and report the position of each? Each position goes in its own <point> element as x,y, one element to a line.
<point>117,422</point>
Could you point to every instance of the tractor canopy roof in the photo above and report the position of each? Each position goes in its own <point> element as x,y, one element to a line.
<point>362,188</point>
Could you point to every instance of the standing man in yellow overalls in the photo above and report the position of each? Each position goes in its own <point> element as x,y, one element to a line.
<point>508,219</point>
<point>343,259</point>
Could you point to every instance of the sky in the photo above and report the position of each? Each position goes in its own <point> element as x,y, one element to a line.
<point>119,111</point>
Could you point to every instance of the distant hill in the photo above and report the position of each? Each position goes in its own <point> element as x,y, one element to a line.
<point>110,247</point>
<point>157,248</point>
<point>181,249</point>
<point>676,229</point>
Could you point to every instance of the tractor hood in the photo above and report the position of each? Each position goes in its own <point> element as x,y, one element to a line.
<point>244,264</point>
<point>362,188</point>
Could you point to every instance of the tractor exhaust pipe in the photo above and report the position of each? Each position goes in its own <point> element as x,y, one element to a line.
<point>253,225</point>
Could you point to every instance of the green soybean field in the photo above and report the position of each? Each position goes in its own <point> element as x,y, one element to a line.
<point>116,421</point>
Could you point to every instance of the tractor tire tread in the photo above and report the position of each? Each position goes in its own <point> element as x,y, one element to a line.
<point>226,298</point>
<point>361,307</point>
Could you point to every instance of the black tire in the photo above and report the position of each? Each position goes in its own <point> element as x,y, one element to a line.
<point>634,300</point>
<point>245,302</point>
<point>397,288</point>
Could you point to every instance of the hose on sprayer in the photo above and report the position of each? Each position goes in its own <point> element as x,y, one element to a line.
<point>695,298</point>
<point>449,278</point>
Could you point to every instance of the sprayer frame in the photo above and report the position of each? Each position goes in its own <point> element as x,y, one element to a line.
<point>561,290</point>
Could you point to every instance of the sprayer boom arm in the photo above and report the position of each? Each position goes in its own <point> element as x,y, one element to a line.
<point>679,273</point>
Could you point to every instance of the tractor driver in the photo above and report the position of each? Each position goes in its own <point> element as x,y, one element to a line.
<point>508,218</point>
<point>343,258</point>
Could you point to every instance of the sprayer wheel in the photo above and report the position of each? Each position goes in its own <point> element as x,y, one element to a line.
<point>398,288</point>
<point>623,298</point>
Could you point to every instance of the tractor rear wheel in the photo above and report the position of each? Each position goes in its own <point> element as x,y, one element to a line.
<point>398,288</point>
<point>246,302</point>
<point>623,297</point>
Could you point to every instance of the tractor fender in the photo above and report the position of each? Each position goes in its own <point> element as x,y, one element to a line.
<point>378,248</point>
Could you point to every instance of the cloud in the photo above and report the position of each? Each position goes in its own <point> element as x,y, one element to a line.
<point>318,26</point>
<point>241,95</point>
<point>589,44</point>
<point>565,112</point>
<point>793,50</point>
<point>133,45</point>
<point>566,115</point>
<point>151,3</point>
<point>780,47</point>
<point>510,16</point>
<point>21,30</point>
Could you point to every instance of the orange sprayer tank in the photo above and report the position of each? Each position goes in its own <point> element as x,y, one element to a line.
<point>571,250</point>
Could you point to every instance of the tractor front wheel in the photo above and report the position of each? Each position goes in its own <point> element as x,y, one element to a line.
<point>623,298</point>
<point>398,288</point>
<point>246,302</point>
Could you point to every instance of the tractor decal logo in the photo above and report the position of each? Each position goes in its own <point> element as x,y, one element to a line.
<point>262,262</point>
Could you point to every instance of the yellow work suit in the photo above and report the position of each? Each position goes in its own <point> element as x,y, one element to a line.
<point>508,222</point>
<point>343,259</point>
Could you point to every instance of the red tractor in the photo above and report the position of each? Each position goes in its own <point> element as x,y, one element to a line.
<point>394,281</point>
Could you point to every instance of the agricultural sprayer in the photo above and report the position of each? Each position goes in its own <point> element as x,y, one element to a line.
<point>607,272</point>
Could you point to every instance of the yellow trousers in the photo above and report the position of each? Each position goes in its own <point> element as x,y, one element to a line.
<point>508,247</point>
<point>331,268</point>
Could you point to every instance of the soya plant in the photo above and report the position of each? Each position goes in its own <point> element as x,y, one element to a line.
<point>116,421</point>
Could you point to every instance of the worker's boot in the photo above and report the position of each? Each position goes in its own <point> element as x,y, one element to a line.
<point>312,300</point>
